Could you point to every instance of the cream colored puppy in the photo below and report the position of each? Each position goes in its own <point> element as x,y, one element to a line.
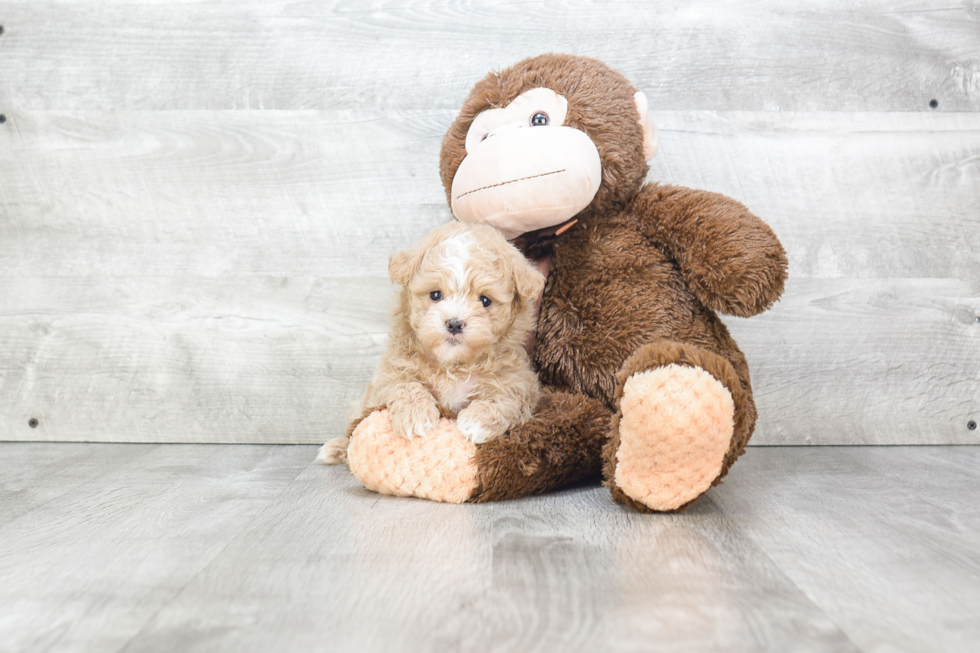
<point>457,342</point>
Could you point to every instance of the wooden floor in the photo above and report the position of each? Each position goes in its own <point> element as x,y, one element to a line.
<point>198,199</point>
<point>133,547</point>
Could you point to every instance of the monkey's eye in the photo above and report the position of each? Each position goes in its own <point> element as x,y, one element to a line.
<point>485,301</point>
<point>540,119</point>
<point>435,295</point>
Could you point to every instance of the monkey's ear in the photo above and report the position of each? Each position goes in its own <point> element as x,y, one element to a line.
<point>650,140</point>
<point>403,265</point>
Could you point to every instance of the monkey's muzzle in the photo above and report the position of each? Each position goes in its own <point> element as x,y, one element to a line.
<point>522,180</point>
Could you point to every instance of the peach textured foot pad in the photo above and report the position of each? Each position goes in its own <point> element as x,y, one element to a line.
<point>439,466</point>
<point>676,428</point>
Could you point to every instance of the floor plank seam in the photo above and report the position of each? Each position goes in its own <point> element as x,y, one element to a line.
<point>82,484</point>
<point>817,607</point>
<point>216,556</point>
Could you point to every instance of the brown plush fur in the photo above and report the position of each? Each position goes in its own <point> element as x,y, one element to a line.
<point>632,286</point>
<point>562,444</point>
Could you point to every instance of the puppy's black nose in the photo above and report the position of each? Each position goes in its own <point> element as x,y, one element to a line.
<point>454,325</point>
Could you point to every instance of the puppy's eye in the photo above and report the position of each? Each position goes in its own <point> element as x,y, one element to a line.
<point>485,301</point>
<point>435,295</point>
<point>540,119</point>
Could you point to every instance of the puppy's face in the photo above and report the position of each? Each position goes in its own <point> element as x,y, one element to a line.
<point>463,287</point>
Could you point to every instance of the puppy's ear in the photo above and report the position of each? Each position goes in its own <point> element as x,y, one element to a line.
<point>403,265</point>
<point>527,280</point>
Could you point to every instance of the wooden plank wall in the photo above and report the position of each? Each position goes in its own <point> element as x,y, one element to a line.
<point>198,199</point>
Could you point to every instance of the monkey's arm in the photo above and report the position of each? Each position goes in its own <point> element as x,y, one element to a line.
<point>730,258</point>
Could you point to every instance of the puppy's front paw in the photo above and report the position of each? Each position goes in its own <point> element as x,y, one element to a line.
<point>334,452</point>
<point>410,419</point>
<point>473,427</point>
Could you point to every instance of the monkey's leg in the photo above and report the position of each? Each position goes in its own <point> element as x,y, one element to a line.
<point>561,444</point>
<point>684,417</point>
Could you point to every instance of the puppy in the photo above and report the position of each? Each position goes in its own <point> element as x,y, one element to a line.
<point>457,341</point>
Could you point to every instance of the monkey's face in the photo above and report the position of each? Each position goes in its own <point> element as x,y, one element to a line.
<point>524,169</point>
<point>544,140</point>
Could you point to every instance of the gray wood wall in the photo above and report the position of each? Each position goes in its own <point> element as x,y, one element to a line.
<point>198,199</point>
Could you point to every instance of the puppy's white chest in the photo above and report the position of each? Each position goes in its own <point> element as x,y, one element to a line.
<point>456,394</point>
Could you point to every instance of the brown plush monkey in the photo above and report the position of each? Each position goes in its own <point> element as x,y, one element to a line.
<point>641,380</point>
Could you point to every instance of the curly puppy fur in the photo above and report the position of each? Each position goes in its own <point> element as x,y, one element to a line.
<point>457,342</point>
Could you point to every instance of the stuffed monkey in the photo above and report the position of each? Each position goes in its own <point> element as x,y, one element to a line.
<point>642,382</point>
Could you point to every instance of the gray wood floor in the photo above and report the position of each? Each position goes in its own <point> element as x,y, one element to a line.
<point>137,547</point>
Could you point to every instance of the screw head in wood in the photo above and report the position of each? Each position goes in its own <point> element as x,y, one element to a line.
<point>933,103</point>
<point>971,425</point>
<point>3,118</point>
<point>32,422</point>
<point>1,30</point>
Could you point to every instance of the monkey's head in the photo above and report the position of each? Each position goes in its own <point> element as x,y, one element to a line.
<point>538,143</point>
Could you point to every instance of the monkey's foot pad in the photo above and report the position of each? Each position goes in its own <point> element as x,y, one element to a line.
<point>676,428</point>
<point>439,466</point>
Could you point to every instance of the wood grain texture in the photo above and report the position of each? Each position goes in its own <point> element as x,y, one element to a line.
<point>219,276</point>
<point>333,554</point>
<point>859,361</point>
<point>33,474</point>
<point>884,540</point>
<point>566,572</point>
<point>575,572</point>
<point>191,360</point>
<point>175,266</point>
<point>133,194</point>
<point>763,55</point>
<point>224,548</point>
<point>85,572</point>
<point>855,195</point>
